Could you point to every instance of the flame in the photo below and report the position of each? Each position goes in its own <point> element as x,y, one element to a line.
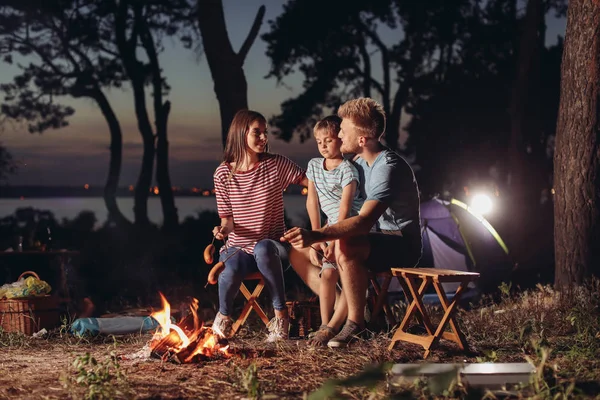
<point>186,339</point>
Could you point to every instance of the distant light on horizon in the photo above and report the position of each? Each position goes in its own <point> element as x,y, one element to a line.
<point>86,186</point>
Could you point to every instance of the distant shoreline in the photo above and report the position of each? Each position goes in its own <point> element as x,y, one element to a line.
<point>16,192</point>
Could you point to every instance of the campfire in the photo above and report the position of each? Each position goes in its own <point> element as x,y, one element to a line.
<point>187,341</point>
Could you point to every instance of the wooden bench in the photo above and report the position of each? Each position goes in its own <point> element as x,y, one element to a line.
<point>252,301</point>
<point>409,279</point>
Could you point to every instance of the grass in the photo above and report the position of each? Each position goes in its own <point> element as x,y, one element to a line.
<point>557,332</point>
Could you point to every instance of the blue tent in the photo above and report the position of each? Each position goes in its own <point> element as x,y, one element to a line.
<point>456,237</point>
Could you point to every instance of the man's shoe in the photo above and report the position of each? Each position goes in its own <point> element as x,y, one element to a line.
<point>322,336</point>
<point>348,334</point>
<point>223,326</point>
<point>279,329</point>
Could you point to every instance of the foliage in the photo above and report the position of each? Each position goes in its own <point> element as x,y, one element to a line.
<point>465,110</point>
<point>248,381</point>
<point>7,164</point>
<point>102,380</point>
<point>70,54</point>
<point>13,339</point>
<point>352,47</point>
<point>370,377</point>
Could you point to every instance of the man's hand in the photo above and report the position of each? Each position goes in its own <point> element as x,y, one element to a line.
<point>298,237</point>
<point>316,253</point>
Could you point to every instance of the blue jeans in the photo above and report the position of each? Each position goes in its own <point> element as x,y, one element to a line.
<point>268,259</point>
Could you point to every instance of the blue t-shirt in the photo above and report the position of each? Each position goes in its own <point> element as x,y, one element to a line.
<point>330,186</point>
<point>391,181</point>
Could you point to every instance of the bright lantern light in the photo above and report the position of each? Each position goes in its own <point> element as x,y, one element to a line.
<point>481,204</point>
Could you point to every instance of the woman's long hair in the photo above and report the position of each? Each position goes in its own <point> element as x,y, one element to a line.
<point>236,145</point>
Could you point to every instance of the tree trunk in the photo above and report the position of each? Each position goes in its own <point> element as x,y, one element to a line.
<point>144,182</point>
<point>163,179</point>
<point>226,66</point>
<point>392,132</point>
<point>528,52</point>
<point>577,156</point>
<point>161,116</point>
<point>114,169</point>
<point>523,192</point>
<point>135,72</point>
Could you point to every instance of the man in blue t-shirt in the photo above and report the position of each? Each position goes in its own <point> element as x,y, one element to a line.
<point>387,231</point>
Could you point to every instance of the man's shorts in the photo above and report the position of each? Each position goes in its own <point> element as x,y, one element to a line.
<point>391,249</point>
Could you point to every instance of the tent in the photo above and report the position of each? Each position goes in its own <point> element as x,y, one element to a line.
<point>456,237</point>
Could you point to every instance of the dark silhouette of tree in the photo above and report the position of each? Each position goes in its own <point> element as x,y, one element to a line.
<point>577,157</point>
<point>347,52</point>
<point>141,25</point>
<point>226,66</point>
<point>81,48</point>
<point>70,56</point>
<point>7,165</point>
<point>462,127</point>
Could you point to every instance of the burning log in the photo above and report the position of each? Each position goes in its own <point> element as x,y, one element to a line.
<point>187,341</point>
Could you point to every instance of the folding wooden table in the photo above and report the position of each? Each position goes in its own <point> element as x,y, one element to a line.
<point>409,279</point>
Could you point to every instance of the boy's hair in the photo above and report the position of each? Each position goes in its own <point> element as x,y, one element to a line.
<point>367,114</point>
<point>235,147</point>
<point>331,124</point>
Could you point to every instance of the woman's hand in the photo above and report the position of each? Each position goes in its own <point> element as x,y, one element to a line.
<point>220,232</point>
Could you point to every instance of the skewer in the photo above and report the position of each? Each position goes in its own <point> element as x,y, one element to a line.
<point>321,254</point>
<point>209,251</point>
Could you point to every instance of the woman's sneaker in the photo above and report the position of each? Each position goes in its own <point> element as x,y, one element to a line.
<point>348,334</point>
<point>279,329</point>
<point>223,326</point>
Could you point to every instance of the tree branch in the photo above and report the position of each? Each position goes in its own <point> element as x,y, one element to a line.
<point>41,54</point>
<point>251,35</point>
<point>148,44</point>
<point>385,62</point>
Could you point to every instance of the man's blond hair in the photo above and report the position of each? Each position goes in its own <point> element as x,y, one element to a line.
<point>367,114</point>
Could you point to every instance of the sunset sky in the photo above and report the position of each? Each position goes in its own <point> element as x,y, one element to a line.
<point>78,154</point>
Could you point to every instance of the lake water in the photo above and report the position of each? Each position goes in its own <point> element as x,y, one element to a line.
<point>70,207</point>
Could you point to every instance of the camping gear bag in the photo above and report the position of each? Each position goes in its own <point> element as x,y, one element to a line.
<point>114,326</point>
<point>29,315</point>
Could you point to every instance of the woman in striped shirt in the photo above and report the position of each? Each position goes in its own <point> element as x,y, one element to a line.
<point>249,186</point>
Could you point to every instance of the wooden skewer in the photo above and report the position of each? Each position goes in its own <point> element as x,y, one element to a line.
<point>321,254</point>
<point>315,249</point>
<point>215,236</point>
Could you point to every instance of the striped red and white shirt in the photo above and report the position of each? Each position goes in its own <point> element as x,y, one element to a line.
<point>255,199</point>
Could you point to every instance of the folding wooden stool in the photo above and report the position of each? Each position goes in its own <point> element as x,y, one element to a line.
<point>380,298</point>
<point>252,301</point>
<point>415,292</point>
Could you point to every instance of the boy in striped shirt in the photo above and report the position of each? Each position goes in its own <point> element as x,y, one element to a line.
<point>332,189</point>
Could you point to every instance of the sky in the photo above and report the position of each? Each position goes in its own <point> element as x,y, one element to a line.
<point>79,154</point>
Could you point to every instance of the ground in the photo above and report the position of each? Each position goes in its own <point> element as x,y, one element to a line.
<point>559,333</point>
<point>41,368</point>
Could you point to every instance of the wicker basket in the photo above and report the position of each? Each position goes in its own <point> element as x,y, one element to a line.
<point>304,317</point>
<point>29,314</point>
